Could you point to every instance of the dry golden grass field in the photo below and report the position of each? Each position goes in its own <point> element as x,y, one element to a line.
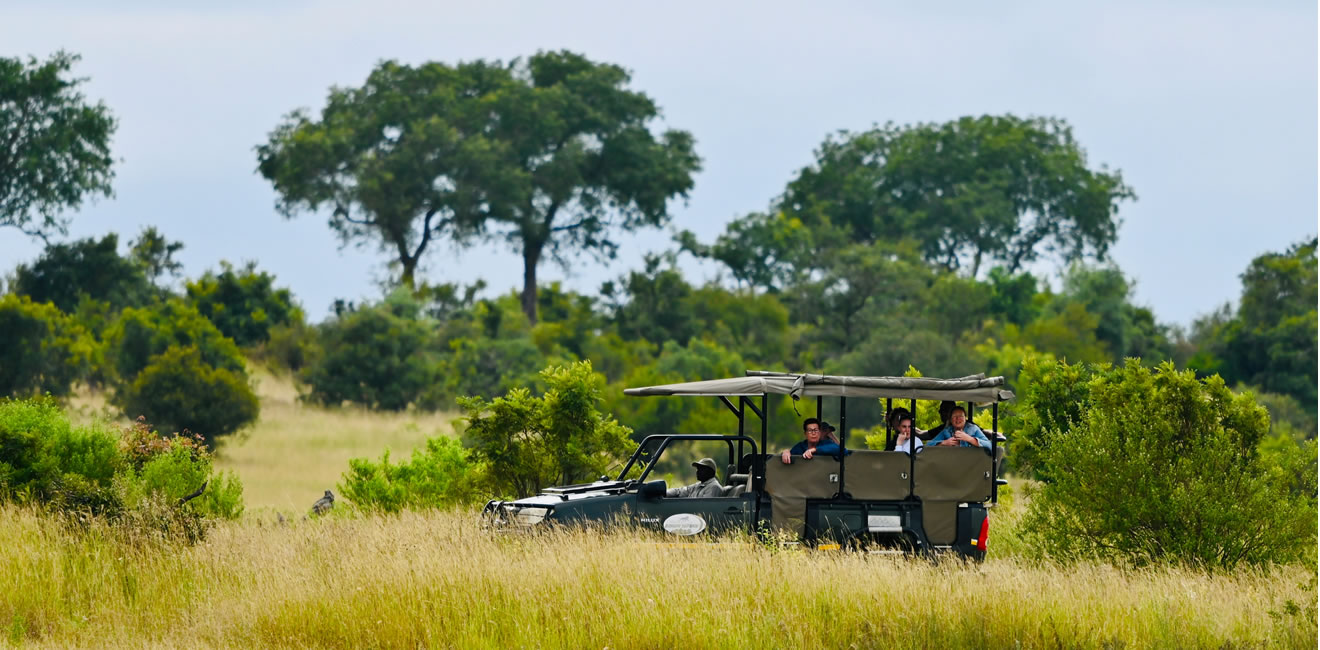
<point>437,579</point>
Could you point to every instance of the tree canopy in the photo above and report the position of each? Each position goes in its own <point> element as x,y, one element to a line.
<point>966,194</point>
<point>551,154</point>
<point>66,273</point>
<point>54,145</point>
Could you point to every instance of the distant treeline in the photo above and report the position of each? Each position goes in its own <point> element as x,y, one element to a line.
<point>901,246</point>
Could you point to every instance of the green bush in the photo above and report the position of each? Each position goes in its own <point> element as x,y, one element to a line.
<point>290,347</point>
<point>173,468</point>
<point>44,459</point>
<point>1157,466</point>
<point>378,356</point>
<point>441,475</point>
<point>180,392</point>
<point>134,477</point>
<point>243,304</point>
<point>484,366</point>
<point>528,443</point>
<point>139,334</point>
<point>44,350</point>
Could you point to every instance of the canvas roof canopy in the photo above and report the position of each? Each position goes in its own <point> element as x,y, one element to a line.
<point>974,388</point>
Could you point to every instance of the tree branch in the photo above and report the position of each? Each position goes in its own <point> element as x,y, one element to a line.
<point>194,495</point>
<point>426,233</point>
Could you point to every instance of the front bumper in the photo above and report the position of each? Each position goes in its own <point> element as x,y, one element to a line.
<point>511,515</point>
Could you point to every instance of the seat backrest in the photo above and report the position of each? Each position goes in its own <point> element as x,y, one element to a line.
<point>814,478</point>
<point>789,487</point>
<point>877,474</point>
<point>953,474</point>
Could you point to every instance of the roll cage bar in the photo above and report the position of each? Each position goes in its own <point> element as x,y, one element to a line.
<point>665,439</point>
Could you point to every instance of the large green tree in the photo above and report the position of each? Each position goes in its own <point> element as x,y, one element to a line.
<point>54,145</point>
<point>967,193</point>
<point>552,154</point>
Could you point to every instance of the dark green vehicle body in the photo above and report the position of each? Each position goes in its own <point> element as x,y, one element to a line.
<point>877,500</point>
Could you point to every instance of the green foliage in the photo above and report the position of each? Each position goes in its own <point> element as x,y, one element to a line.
<point>57,146</point>
<point>675,363</point>
<point>44,350</point>
<point>753,326</point>
<point>484,367</point>
<point>550,154</point>
<point>1272,341</point>
<point>440,476</point>
<point>654,304</point>
<point>533,442</point>
<point>970,190</point>
<point>1152,466</point>
<point>1051,400</point>
<point>134,477</point>
<point>139,334</point>
<point>93,269</point>
<point>379,356</point>
<point>243,304</point>
<point>1123,328</point>
<point>290,347</point>
<point>767,250</point>
<point>181,392</point>
<point>44,459</point>
<point>172,468</point>
<point>155,255</point>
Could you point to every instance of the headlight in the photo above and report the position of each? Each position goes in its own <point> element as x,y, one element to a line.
<point>530,516</point>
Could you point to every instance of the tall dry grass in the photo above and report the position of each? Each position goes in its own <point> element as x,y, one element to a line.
<point>438,580</point>
<point>297,451</point>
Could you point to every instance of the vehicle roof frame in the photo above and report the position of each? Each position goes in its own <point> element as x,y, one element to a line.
<point>796,385</point>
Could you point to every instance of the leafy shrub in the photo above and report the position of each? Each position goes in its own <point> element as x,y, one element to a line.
<point>44,459</point>
<point>377,356</point>
<point>484,366</point>
<point>173,468</point>
<point>1156,466</point>
<point>290,347</point>
<point>44,350</point>
<point>439,476</point>
<point>528,443</point>
<point>142,333</point>
<point>180,392</point>
<point>243,304</point>
<point>134,478</point>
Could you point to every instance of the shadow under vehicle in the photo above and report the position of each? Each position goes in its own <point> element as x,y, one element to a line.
<point>890,501</point>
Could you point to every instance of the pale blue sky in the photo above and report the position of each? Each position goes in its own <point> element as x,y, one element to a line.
<point>1209,110</point>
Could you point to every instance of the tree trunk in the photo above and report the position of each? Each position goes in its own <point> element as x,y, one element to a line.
<point>531,257</point>
<point>409,270</point>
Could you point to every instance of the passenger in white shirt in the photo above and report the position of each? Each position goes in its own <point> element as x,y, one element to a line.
<point>905,438</point>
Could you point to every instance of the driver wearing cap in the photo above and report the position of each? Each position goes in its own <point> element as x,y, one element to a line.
<point>706,486</point>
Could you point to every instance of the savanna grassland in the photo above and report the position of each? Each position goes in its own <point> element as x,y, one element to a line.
<point>437,579</point>
<point>295,452</point>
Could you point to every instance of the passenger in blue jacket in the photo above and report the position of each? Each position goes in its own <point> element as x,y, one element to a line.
<point>819,440</point>
<point>961,433</point>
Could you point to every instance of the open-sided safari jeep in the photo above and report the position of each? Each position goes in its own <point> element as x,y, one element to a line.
<point>934,500</point>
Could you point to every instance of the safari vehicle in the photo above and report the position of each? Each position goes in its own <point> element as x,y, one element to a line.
<point>934,500</point>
